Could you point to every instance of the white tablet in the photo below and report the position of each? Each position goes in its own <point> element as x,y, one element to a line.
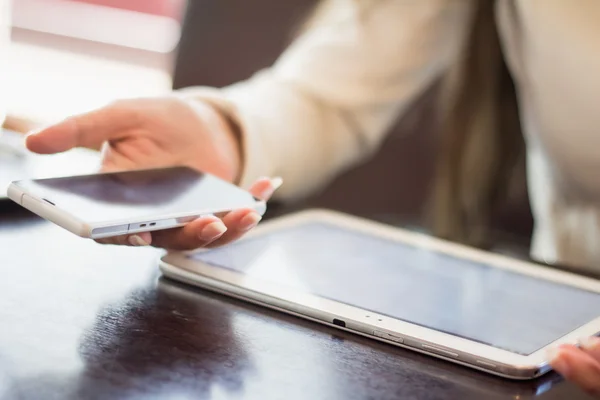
<point>467,306</point>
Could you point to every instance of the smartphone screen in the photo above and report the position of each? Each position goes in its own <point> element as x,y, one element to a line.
<point>131,194</point>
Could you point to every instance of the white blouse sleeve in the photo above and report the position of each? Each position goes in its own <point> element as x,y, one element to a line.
<point>328,101</point>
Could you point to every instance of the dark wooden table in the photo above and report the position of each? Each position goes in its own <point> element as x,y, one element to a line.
<point>80,320</point>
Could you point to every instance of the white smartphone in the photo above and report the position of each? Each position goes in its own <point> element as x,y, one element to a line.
<point>470,307</point>
<point>108,204</point>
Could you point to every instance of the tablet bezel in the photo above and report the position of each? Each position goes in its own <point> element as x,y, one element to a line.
<point>178,266</point>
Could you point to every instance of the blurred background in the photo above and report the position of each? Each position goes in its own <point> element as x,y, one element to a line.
<point>68,56</point>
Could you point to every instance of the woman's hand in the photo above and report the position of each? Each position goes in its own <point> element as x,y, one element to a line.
<point>580,365</point>
<point>162,132</point>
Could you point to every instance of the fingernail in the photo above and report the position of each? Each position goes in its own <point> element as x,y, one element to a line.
<point>249,221</point>
<point>213,231</point>
<point>589,343</point>
<point>554,359</point>
<point>275,184</point>
<point>136,240</point>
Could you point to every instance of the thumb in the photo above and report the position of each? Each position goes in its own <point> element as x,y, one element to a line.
<point>85,130</point>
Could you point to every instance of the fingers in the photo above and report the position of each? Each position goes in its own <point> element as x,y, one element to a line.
<point>86,130</point>
<point>577,366</point>
<point>138,239</point>
<point>238,222</point>
<point>233,225</point>
<point>198,233</point>
<point>264,188</point>
<point>207,232</point>
<point>591,345</point>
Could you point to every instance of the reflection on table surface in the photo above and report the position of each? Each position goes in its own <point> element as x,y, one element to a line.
<point>81,320</point>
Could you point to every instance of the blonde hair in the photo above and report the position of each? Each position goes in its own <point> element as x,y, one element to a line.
<point>481,152</point>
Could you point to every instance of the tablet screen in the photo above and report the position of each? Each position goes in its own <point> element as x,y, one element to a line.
<point>489,305</point>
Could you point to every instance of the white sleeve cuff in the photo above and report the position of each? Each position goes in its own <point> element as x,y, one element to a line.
<point>255,164</point>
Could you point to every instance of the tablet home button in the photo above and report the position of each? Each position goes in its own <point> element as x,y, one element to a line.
<point>439,351</point>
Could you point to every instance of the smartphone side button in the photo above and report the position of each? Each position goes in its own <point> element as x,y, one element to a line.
<point>110,230</point>
<point>439,351</point>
